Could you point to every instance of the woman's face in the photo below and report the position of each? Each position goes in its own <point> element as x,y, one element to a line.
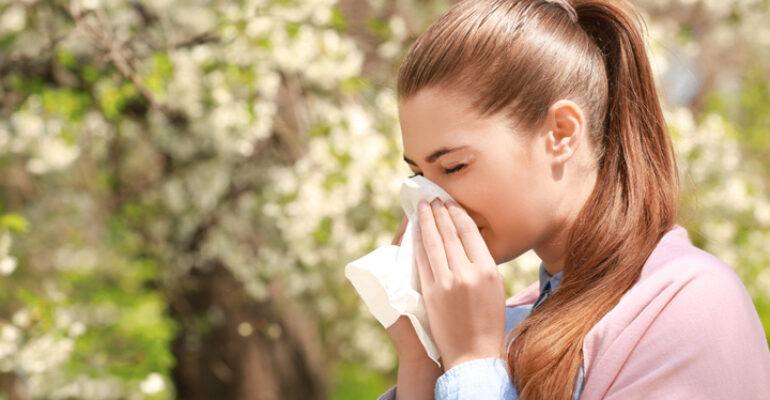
<point>501,178</point>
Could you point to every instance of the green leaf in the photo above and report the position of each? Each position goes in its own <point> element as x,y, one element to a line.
<point>357,382</point>
<point>66,59</point>
<point>339,21</point>
<point>14,222</point>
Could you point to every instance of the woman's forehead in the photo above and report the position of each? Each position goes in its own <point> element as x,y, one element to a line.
<point>435,101</point>
<point>430,121</point>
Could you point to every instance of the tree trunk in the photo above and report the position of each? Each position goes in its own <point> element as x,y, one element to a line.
<point>273,356</point>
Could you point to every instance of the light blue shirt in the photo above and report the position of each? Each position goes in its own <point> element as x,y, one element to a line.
<point>487,378</point>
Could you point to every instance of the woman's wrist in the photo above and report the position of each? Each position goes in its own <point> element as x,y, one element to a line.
<point>417,379</point>
<point>406,342</point>
<point>420,362</point>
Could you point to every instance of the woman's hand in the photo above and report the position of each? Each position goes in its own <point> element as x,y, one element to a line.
<point>417,373</point>
<point>463,291</point>
<point>402,333</point>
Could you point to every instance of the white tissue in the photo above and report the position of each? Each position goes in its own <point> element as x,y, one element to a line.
<point>387,278</point>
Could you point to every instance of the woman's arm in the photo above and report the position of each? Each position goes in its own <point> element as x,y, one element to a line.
<point>417,373</point>
<point>416,381</point>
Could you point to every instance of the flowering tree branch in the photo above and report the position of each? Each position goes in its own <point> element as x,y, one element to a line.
<point>120,56</point>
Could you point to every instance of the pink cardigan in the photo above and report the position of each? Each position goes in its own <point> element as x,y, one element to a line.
<point>686,330</point>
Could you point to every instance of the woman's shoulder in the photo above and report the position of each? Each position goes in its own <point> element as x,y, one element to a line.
<point>679,277</point>
<point>676,258</point>
<point>688,283</point>
<point>688,316</point>
<point>679,270</point>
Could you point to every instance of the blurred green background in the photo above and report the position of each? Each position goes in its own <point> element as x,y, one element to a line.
<point>182,183</point>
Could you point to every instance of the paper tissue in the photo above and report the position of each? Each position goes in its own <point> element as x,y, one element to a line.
<point>387,278</point>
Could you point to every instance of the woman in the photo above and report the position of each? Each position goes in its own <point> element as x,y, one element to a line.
<point>542,120</point>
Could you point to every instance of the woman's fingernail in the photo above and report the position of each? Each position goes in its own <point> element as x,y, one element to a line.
<point>435,203</point>
<point>451,203</point>
<point>422,205</point>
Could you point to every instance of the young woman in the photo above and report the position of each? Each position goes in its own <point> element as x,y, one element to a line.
<point>541,118</point>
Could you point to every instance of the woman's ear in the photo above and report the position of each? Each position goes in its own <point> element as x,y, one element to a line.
<point>565,130</point>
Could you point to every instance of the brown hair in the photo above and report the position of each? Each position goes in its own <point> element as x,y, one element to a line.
<point>518,57</point>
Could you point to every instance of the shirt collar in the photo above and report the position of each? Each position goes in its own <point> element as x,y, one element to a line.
<point>545,278</point>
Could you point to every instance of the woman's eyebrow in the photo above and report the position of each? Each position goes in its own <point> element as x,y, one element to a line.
<point>436,154</point>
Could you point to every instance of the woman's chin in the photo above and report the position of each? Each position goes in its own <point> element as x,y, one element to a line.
<point>504,256</point>
<point>499,255</point>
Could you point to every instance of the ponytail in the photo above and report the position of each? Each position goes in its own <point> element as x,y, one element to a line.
<point>632,206</point>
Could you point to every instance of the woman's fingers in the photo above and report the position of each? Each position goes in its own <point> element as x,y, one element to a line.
<point>455,254</point>
<point>423,265</point>
<point>433,244</point>
<point>465,302</point>
<point>400,231</point>
<point>471,239</point>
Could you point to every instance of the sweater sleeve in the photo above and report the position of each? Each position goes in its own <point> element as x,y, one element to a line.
<point>706,342</point>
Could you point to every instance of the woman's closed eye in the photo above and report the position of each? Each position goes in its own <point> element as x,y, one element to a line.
<point>454,169</point>
<point>446,171</point>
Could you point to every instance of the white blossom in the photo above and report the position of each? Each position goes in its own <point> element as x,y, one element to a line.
<point>45,353</point>
<point>14,18</point>
<point>153,384</point>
